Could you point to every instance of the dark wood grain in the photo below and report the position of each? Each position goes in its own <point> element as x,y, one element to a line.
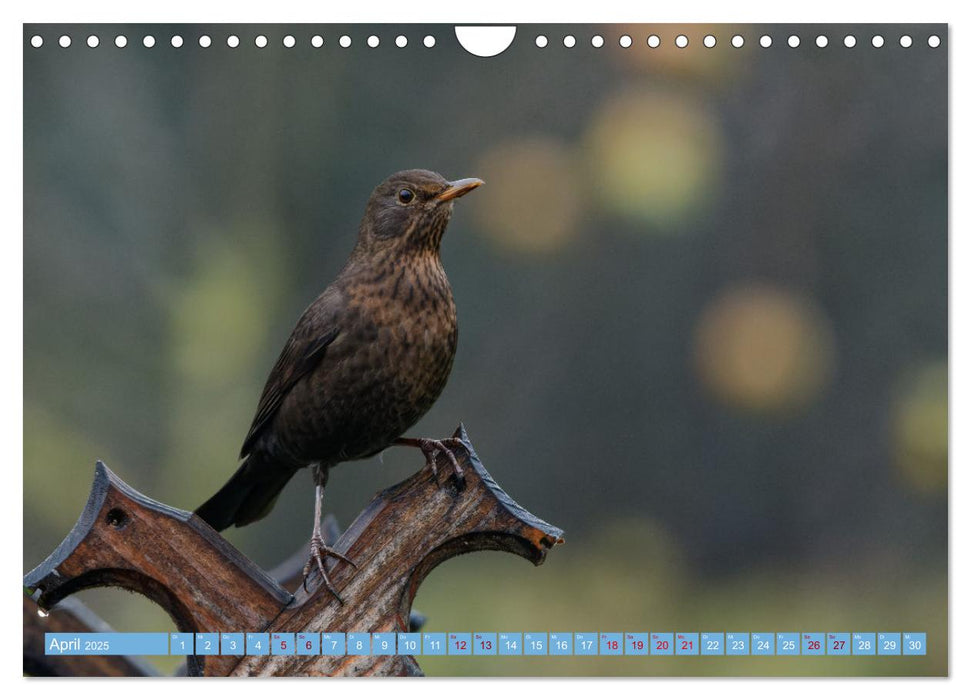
<point>127,540</point>
<point>289,572</point>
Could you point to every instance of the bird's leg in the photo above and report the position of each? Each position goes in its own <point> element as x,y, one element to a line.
<point>430,448</point>
<point>319,550</point>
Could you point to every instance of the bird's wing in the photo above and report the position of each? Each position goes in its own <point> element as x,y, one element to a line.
<point>301,354</point>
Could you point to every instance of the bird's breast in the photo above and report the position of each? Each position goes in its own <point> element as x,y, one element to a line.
<point>388,365</point>
<point>416,330</point>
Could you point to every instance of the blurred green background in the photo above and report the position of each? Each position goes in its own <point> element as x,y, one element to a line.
<point>702,305</point>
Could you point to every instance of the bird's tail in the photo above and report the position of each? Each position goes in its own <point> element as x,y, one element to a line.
<point>248,496</point>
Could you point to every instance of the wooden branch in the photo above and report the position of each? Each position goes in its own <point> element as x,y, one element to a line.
<point>289,572</point>
<point>125,539</point>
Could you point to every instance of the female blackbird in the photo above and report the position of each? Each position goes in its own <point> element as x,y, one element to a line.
<point>365,361</point>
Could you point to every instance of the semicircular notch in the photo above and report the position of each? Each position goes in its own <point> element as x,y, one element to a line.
<point>485,41</point>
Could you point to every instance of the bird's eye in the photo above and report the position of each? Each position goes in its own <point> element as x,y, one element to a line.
<point>405,196</point>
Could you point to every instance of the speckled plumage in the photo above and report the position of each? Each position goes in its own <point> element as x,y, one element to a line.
<point>366,360</point>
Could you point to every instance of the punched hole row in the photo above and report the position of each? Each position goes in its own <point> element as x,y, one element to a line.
<point>232,41</point>
<point>653,41</point>
<point>738,41</point>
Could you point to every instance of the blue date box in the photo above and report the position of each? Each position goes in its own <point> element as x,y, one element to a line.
<point>409,643</point>
<point>763,644</point>
<point>308,643</point>
<point>686,644</point>
<point>611,644</point>
<point>712,643</point>
<point>915,644</point>
<point>736,643</point>
<point>232,644</point>
<point>662,643</point>
<point>787,644</point>
<point>459,643</point>
<point>484,644</point>
<point>333,644</point>
<point>383,643</point>
<point>282,643</point>
<point>636,644</point>
<point>864,643</point>
<point>838,643</point>
<point>182,643</point>
<point>535,644</point>
<point>510,644</point>
<point>207,643</point>
<point>888,644</point>
<point>358,643</point>
<point>561,644</point>
<point>433,644</point>
<point>585,644</point>
<point>257,643</point>
<point>813,644</point>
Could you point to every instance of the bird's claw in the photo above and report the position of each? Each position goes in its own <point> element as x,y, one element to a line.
<point>318,551</point>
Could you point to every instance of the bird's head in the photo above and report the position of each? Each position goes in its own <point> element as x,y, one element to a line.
<point>409,211</point>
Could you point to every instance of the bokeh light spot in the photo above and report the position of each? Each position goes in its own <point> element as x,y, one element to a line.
<point>656,156</point>
<point>920,428</point>
<point>763,348</point>
<point>218,303</point>
<point>533,195</point>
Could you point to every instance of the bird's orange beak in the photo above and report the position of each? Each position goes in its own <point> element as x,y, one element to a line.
<point>458,188</point>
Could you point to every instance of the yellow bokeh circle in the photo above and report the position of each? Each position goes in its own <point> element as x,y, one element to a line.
<point>763,348</point>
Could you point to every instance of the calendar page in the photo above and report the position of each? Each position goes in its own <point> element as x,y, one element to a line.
<point>312,309</point>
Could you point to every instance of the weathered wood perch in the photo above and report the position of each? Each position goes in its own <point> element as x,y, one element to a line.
<point>127,540</point>
<point>71,615</point>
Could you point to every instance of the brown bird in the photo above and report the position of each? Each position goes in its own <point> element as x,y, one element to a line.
<point>365,361</point>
